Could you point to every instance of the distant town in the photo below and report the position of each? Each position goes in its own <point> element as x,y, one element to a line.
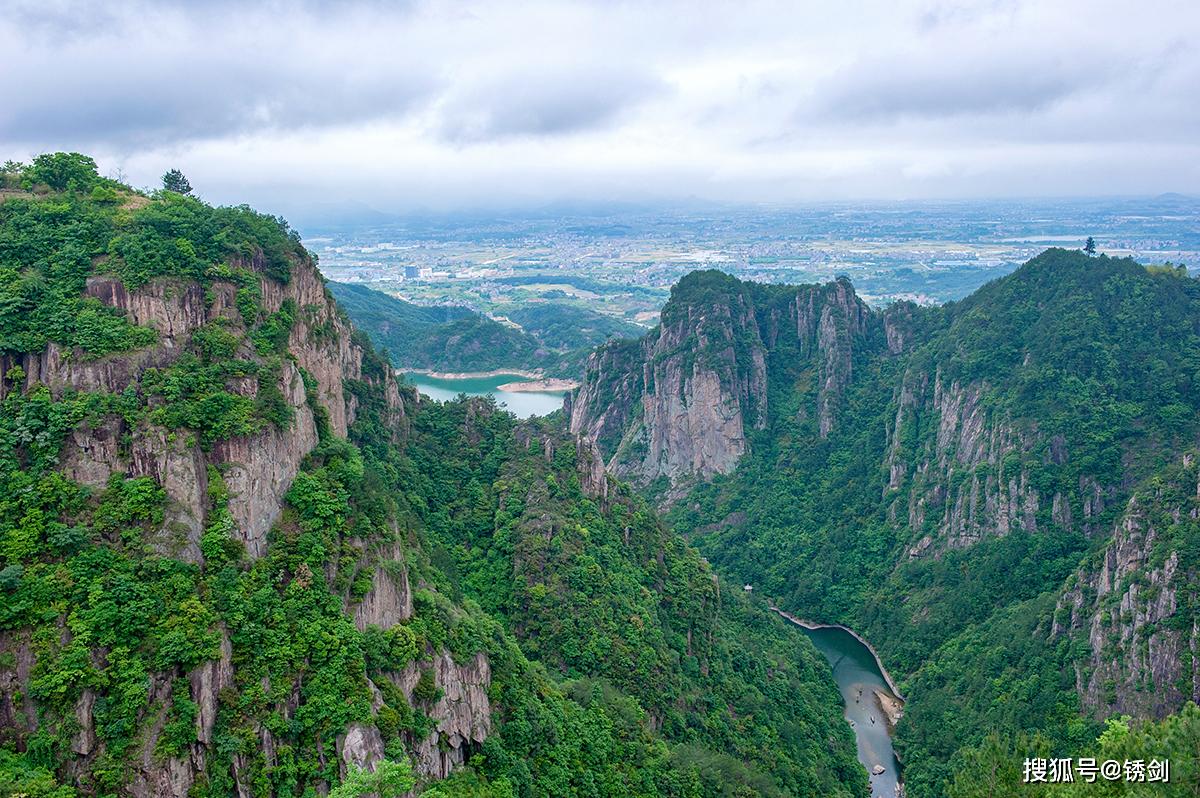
<point>622,262</point>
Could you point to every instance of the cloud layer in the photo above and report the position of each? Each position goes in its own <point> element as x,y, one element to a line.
<point>446,104</point>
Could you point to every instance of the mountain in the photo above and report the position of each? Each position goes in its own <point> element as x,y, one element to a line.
<point>236,557</point>
<point>553,337</point>
<point>436,338</point>
<point>569,328</point>
<point>1000,493</point>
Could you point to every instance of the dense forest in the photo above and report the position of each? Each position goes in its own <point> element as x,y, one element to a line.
<point>552,337</point>
<point>1000,493</point>
<point>236,557</point>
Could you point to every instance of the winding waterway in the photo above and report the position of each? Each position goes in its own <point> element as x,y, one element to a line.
<point>865,690</point>
<point>522,404</point>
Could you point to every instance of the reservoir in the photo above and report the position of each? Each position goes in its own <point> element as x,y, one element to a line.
<point>522,404</point>
<point>864,691</point>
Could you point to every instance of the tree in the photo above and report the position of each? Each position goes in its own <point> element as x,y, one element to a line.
<point>10,174</point>
<point>175,181</point>
<point>1089,246</point>
<point>391,779</point>
<point>63,170</point>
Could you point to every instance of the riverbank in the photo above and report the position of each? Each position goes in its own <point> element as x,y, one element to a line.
<point>476,375</point>
<point>891,707</point>
<point>887,677</point>
<point>552,384</point>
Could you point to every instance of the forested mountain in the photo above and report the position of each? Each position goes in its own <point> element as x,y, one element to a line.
<point>1001,493</point>
<point>237,558</point>
<point>552,337</point>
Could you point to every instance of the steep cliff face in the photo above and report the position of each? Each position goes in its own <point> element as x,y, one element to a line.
<point>964,482</point>
<point>683,402</point>
<point>702,385</point>
<point>1135,607</point>
<point>257,468</point>
<point>461,712</point>
<point>935,476</point>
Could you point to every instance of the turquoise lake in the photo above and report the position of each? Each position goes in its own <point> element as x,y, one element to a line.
<point>521,404</point>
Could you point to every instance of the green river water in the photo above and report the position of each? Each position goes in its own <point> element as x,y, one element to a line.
<point>858,676</point>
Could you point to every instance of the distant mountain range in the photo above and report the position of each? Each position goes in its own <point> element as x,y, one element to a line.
<point>553,337</point>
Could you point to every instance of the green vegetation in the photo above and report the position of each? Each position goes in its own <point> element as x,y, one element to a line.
<point>174,180</point>
<point>554,337</point>
<point>1093,359</point>
<point>617,665</point>
<point>566,327</point>
<point>996,765</point>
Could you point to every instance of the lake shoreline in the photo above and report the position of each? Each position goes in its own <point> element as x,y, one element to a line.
<point>550,385</point>
<point>474,375</point>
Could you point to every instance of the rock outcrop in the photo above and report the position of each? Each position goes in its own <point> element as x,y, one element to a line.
<point>944,510</point>
<point>1133,607</point>
<point>18,713</point>
<point>258,469</point>
<point>389,601</point>
<point>682,402</point>
<point>462,711</point>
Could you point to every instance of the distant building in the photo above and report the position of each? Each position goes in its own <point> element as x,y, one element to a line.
<point>748,588</point>
<point>412,272</point>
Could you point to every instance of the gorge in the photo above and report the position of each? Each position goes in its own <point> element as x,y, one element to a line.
<point>962,484</point>
<point>239,557</point>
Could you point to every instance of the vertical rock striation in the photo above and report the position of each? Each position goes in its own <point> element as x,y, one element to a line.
<point>684,401</point>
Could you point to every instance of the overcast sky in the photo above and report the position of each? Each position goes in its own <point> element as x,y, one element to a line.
<point>445,105</point>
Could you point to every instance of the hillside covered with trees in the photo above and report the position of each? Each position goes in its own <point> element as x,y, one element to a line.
<point>236,557</point>
<point>551,337</point>
<point>1000,493</point>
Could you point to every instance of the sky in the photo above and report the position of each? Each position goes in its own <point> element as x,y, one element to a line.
<point>455,105</point>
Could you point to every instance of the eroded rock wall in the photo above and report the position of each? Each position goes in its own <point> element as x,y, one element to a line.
<point>1133,608</point>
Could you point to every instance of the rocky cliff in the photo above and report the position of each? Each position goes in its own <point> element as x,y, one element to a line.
<point>310,378</point>
<point>258,468</point>
<point>684,401</point>
<point>1134,606</point>
<point>942,477</point>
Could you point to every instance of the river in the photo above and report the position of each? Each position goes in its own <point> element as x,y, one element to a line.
<point>522,404</point>
<point>858,676</point>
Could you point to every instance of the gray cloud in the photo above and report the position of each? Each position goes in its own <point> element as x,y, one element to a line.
<point>940,85</point>
<point>454,101</point>
<point>160,75</point>
<point>544,101</point>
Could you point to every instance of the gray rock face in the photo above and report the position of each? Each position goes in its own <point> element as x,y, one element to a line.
<point>18,714</point>
<point>680,402</point>
<point>463,712</point>
<point>994,503</point>
<point>389,601</point>
<point>154,776</point>
<point>206,683</point>
<point>1143,644</point>
<point>261,467</point>
<point>593,478</point>
<point>330,357</point>
<point>361,747</point>
<point>84,741</point>
<point>258,468</point>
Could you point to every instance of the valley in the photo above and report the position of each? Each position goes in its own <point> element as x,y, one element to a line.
<point>240,555</point>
